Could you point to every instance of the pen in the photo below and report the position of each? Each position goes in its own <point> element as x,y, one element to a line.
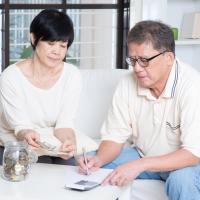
<point>85,161</point>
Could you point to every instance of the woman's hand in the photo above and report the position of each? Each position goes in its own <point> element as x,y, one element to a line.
<point>68,148</point>
<point>30,136</point>
<point>68,140</point>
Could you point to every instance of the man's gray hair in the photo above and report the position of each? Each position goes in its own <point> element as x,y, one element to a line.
<point>158,34</point>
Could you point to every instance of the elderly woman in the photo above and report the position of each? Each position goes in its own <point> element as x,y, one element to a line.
<point>42,92</point>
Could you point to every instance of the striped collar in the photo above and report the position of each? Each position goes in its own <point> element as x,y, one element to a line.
<point>170,87</point>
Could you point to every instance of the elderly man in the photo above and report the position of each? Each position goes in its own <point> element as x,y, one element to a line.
<point>159,107</point>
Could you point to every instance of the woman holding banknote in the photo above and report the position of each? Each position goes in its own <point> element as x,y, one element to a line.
<point>41,93</point>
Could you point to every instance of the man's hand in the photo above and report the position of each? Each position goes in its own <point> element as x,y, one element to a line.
<point>93,164</point>
<point>30,136</point>
<point>123,174</point>
<point>108,151</point>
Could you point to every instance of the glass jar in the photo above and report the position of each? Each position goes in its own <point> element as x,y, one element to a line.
<point>17,160</point>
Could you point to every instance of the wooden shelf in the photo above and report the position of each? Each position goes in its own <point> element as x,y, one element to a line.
<point>188,42</point>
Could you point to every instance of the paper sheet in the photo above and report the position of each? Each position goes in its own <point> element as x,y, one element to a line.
<point>74,177</point>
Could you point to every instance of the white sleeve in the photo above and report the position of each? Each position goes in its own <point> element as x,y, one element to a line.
<point>69,107</point>
<point>117,126</point>
<point>190,120</point>
<point>12,103</point>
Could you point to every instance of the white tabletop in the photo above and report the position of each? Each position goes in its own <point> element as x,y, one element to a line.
<point>46,182</point>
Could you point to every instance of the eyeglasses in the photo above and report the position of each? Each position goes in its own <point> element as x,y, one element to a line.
<point>143,62</point>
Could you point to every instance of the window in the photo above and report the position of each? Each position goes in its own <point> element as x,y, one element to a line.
<point>101,28</point>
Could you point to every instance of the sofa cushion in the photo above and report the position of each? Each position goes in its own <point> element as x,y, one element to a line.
<point>148,189</point>
<point>97,91</point>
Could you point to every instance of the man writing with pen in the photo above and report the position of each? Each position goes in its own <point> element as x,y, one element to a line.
<point>85,162</point>
<point>158,106</point>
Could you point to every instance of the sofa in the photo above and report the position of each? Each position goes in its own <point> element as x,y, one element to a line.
<point>97,92</point>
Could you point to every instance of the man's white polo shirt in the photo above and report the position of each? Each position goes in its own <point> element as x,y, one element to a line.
<point>157,126</point>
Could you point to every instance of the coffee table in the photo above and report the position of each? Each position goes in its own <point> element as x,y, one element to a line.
<point>46,182</point>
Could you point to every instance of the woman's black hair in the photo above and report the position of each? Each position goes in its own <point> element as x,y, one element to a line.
<point>52,25</point>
